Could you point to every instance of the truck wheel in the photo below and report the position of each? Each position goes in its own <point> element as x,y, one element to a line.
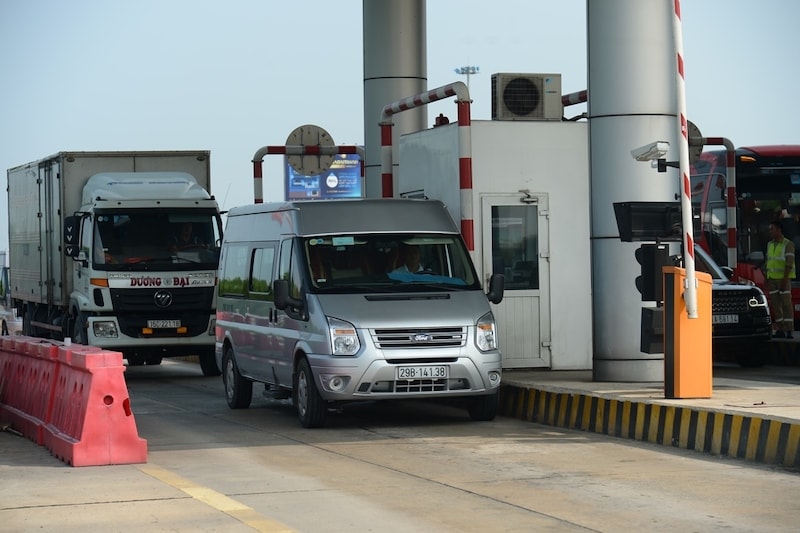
<point>482,408</point>
<point>153,360</point>
<point>135,360</point>
<point>238,389</point>
<point>27,327</point>
<point>311,408</point>
<point>79,335</point>
<point>208,363</point>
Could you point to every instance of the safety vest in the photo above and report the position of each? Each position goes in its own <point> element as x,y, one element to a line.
<point>776,260</point>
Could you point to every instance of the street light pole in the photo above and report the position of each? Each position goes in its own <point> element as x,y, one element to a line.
<point>467,71</point>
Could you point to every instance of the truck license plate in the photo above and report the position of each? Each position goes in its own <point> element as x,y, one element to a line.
<point>725,319</point>
<point>422,372</point>
<point>161,324</point>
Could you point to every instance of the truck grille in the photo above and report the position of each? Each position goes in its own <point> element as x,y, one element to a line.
<point>419,337</point>
<point>134,307</point>
<point>142,300</point>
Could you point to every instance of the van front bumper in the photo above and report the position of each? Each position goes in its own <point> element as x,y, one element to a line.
<point>345,379</point>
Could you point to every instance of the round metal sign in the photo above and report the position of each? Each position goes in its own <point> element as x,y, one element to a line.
<point>696,148</point>
<point>310,135</point>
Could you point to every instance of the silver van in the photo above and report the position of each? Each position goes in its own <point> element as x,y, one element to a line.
<point>351,300</point>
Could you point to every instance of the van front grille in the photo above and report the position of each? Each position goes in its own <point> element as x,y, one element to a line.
<point>421,385</point>
<point>411,386</point>
<point>419,337</point>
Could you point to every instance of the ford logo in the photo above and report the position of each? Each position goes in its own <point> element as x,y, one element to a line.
<point>421,337</point>
<point>162,299</point>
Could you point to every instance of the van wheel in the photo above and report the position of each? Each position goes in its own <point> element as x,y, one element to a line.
<point>238,389</point>
<point>483,408</point>
<point>208,363</point>
<point>311,408</point>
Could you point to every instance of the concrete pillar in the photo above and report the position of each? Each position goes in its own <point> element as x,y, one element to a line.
<point>395,67</point>
<point>632,102</point>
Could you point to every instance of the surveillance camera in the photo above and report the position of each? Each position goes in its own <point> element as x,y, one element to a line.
<point>651,152</point>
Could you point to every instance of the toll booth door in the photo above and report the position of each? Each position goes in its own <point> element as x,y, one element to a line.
<point>515,234</point>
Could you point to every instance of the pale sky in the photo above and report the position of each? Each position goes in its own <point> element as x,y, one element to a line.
<point>230,77</point>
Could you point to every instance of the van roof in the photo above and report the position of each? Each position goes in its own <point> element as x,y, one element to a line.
<point>395,215</point>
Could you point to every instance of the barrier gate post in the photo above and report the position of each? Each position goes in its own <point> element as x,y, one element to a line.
<point>687,343</point>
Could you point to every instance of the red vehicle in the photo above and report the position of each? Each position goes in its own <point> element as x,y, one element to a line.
<point>767,188</point>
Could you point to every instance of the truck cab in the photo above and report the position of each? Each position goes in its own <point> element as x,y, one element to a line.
<point>144,270</point>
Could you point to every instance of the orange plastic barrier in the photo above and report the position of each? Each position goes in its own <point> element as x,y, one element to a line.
<point>71,399</point>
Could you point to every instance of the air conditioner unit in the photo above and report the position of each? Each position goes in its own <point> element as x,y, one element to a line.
<point>526,97</point>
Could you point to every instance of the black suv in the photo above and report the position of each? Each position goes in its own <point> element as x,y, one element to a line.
<point>741,324</point>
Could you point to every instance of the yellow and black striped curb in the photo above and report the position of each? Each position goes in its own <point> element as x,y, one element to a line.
<point>752,438</point>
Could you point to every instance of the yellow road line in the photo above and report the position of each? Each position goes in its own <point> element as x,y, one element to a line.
<point>239,511</point>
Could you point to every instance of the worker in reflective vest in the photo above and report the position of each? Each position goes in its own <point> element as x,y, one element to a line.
<point>780,273</point>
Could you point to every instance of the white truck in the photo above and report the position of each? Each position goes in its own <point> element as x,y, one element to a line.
<point>96,253</point>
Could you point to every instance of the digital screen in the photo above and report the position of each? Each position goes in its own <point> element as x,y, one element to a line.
<point>648,221</point>
<point>342,180</point>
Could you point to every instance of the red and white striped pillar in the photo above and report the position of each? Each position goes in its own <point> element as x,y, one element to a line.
<point>465,173</point>
<point>460,91</point>
<point>730,184</point>
<point>690,294</point>
<point>579,97</point>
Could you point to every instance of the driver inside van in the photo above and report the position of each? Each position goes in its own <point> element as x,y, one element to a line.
<point>409,255</point>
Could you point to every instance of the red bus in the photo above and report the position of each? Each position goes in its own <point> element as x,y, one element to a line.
<point>767,188</point>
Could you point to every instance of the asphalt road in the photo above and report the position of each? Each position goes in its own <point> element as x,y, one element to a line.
<point>410,466</point>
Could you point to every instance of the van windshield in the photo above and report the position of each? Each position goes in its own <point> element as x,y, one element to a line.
<point>388,262</point>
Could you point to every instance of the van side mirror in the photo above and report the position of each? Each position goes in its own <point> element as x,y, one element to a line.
<point>497,285</point>
<point>280,291</point>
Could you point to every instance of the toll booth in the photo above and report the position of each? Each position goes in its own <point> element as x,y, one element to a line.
<point>529,205</point>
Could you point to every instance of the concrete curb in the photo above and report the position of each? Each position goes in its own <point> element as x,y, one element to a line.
<point>752,438</point>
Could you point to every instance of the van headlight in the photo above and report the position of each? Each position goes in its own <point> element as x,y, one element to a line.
<point>344,339</point>
<point>485,333</point>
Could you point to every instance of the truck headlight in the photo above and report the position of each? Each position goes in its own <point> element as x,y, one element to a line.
<point>105,330</point>
<point>485,334</point>
<point>344,339</point>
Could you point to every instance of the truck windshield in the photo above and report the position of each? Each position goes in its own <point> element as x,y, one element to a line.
<point>381,262</point>
<point>148,239</point>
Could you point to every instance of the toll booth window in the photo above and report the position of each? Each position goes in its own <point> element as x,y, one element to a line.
<point>515,245</point>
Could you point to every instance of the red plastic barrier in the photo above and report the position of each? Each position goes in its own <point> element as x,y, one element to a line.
<point>71,399</point>
<point>26,384</point>
<point>91,422</point>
